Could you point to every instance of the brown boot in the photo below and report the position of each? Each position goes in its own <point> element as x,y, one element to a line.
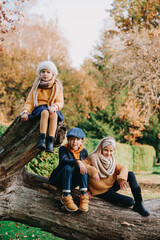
<point>69,204</point>
<point>84,201</point>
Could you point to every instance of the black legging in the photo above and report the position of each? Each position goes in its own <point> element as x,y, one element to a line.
<point>113,197</point>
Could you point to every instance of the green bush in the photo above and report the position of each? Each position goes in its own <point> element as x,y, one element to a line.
<point>44,163</point>
<point>150,134</point>
<point>90,144</point>
<point>143,157</point>
<point>124,155</point>
<point>156,170</point>
<point>2,129</point>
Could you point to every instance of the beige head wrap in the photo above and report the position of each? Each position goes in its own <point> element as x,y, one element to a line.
<point>106,167</point>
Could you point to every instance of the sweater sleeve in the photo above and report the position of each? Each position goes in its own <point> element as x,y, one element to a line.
<point>84,154</point>
<point>29,102</point>
<point>122,172</point>
<point>90,169</point>
<point>59,99</point>
<point>64,159</point>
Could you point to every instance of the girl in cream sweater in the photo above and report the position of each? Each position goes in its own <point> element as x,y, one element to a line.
<point>106,177</point>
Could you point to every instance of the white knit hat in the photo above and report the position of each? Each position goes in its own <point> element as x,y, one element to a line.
<point>47,65</point>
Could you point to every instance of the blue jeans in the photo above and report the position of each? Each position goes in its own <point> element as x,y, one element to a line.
<point>71,178</point>
<point>118,199</point>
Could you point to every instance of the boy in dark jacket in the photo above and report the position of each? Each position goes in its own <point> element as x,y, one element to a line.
<point>71,172</point>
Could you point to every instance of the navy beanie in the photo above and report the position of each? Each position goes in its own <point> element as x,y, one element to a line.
<point>76,132</point>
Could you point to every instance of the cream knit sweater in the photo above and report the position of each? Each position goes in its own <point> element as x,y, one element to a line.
<point>121,173</point>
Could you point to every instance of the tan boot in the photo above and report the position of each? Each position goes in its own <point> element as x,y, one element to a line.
<point>69,204</point>
<point>84,202</point>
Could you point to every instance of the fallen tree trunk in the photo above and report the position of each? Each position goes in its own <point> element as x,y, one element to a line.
<point>28,198</point>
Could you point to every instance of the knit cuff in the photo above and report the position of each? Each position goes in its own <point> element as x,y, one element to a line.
<point>25,111</point>
<point>83,189</point>
<point>120,177</point>
<point>54,105</point>
<point>66,190</point>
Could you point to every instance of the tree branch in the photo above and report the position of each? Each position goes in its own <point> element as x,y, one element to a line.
<point>18,144</point>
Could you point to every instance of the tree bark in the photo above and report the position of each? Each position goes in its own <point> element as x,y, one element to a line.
<point>28,198</point>
<point>18,144</point>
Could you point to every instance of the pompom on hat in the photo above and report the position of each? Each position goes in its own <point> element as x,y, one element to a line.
<point>47,65</point>
<point>76,132</point>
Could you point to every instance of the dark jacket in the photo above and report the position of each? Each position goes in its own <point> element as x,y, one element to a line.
<point>65,158</point>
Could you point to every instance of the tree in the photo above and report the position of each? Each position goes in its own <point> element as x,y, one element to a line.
<point>10,12</point>
<point>128,70</point>
<point>128,13</point>
<point>35,34</point>
<point>28,198</point>
<point>82,93</point>
<point>141,67</point>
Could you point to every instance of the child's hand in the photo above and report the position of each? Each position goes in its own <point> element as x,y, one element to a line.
<point>82,167</point>
<point>52,109</point>
<point>24,116</point>
<point>96,177</point>
<point>123,184</point>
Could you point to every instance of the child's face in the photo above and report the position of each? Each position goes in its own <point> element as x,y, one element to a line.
<point>74,142</point>
<point>108,151</point>
<point>46,74</point>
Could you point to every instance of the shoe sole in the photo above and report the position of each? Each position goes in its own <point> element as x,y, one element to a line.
<point>49,151</point>
<point>41,147</point>
<point>83,210</point>
<point>144,215</point>
<point>69,210</point>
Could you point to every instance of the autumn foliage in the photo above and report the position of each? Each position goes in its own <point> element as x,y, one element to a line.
<point>11,12</point>
<point>142,13</point>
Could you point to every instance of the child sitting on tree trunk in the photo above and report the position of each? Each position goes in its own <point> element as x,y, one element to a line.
<point>106,177</point>
<point>71,172</point>
<point>45,100</point>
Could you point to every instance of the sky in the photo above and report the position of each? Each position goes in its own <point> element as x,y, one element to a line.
<point>81,22</point>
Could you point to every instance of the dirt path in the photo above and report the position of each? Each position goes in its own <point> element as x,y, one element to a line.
<point>148,178</point>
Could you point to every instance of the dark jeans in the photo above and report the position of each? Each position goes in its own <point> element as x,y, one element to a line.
<point>71,178</point>
<point>118,199</point>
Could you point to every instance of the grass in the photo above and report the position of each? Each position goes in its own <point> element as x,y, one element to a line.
<point>16,231</point>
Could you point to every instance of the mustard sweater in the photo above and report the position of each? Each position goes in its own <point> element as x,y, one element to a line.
<point>121,173</point>
<point>44,97</point>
